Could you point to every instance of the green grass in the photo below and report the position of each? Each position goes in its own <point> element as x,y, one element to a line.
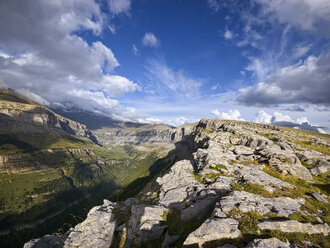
<point>308,166</point>
<point>306,144</point>
<point>303,189</point>
<point>183,228</point>
<point>252,188</point>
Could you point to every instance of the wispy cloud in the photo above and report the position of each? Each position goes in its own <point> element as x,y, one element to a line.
<point>120,6</point>
<point>150,40</point>
<point>171,82</point>
<point>135,50</point>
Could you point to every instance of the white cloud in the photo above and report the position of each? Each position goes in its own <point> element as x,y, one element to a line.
<point>214,5</point>
<point>115,85</point>
<point>215,112</point>
<point>135,50</point>
<point>302,120</point>
<point>216,86</point>
<point>120,6</point>
<point>279,117</point>
<point>42,56</point>
<point>263,117</point>
<point>150,40</point>
<point>230,115</point>
<point>285,120</point>
<point>228,35</point>
<point>170,82</point>
<point>179,121</point>
<point>305,82</point>
<point>313,15</point>
<point>112,28</point>
<point>33,96</point>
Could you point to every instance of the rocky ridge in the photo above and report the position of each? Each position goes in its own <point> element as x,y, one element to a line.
<point>242,185</point>
<point>21,115</point>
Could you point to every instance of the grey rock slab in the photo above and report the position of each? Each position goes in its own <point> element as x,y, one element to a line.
<point>168,240</point>
<point>245,202</point>
<point>213,229</point>
<point>227,246</point>
<point>146,223</point>
<point>257,176</point>
<point>97,230</point>
<point>47,241</point>
<point>268,243</point>
<point>294,226</point>
<point>320,169</point>
<point>199,208</point>
<point>177,183</point>
<point>318,197</point>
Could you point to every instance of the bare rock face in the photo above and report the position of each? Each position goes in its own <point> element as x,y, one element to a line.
<point>245,202</point>
<point>213,229</point>
<point>97,230</point>
<point>23,117</point>
<point>268,243</point>
<point>45,242</point>
<point>177,183</point>
<point>294,226</point>
<point>146,224</point>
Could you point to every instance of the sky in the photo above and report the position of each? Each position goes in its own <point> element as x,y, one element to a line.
<point>172,61</point>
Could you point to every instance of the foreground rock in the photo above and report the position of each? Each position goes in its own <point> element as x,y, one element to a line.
<point>96,231</point>
<point>294,226</point>
<point>268,243</point>
<point>245,202</point>
<point>213,229</point>
<point>146,223</point>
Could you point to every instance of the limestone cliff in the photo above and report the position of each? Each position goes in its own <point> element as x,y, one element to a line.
<point>239,185</point>
<point>21,115</point>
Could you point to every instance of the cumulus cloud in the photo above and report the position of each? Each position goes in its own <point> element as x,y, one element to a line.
<point>230,115</point>
<point>305,82</point>
<point>285,120</point>
<point>170,82</point>
<point>150,40</point>
<point>312,15</point>
<point>179,121</point>
<point>42,56</point>
<point>120,6</point>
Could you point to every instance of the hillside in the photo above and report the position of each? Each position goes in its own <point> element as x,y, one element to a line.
<point>232,184</point>
<point>53,169</point>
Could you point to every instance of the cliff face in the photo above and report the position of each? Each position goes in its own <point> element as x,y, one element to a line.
<point>26,117</point>
<point>238,185</point>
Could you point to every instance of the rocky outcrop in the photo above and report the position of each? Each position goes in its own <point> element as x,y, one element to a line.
<point>294,226</point>
<point>268,243</point>
<point>203,199</point>
<point>246,202</point>
<point>96,231</point>
<point>213,229</point>
<point>146,224</point>
<point>19,117</point>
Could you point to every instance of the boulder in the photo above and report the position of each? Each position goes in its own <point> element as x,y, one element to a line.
<point>213,229</point>
<point>245,202</point>
<point>145,224</point>
<point>97,230</point>
<point>268,243</point>
<point>294,226</point>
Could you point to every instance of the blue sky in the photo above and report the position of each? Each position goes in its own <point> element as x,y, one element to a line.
<point>172,61</point>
